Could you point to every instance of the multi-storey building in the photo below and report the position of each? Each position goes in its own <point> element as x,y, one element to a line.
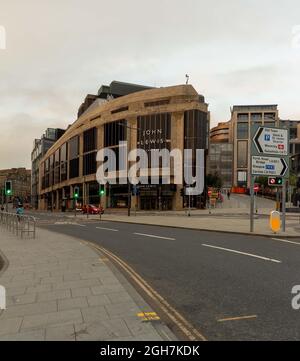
<point>20,178</point>
<point>242,117</point>
<point>221,153</point>
<point>148,118</point>
<point>40,147</point>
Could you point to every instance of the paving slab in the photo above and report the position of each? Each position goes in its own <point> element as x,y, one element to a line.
<point>59,288</point>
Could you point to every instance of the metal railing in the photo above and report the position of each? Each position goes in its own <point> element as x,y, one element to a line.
<point>18,224</point>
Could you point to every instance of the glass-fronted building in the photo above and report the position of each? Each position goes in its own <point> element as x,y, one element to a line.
<point>147,118</point>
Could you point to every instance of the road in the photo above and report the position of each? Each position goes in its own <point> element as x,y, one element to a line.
<point>230,287</point>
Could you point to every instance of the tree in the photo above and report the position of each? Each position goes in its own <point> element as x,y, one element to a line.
<point>262,181</point>
<point>214,180</point>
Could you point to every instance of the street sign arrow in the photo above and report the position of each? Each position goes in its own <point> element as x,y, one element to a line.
<point>271,141</point>
<point>284,165</point>
<point>269,166</point>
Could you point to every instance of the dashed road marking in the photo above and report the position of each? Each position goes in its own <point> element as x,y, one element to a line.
<point>242,253</point>
<point>108,229</point>
<point>154,236</point>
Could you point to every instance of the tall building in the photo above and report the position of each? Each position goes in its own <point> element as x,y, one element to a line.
<point>147,118</point>
<point>40,147</point>
<point>242,116</point>
<point>220,158</point>
<point>20,178</point>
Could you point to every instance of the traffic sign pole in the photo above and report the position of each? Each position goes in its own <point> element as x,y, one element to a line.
<point>252,204</point>
<point>283,199</point>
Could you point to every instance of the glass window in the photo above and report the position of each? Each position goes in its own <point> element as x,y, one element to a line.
<point>256,116</point>
<point>243,117</point>
<point>242,131</point>
<point>114,132</point>
<point>74,147</point>
<point>90,140</point>
<point>242,154</point>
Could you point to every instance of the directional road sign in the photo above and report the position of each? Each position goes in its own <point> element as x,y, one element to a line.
<point>269,166</point>
<point>271,141</point>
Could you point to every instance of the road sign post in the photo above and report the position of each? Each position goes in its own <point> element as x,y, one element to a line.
<point>269,157</point>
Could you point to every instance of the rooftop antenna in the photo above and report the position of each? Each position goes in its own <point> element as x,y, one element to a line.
<point>187,79</point>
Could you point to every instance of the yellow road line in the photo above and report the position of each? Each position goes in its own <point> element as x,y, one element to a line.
<point>175,316</point>
<point>237,318</point>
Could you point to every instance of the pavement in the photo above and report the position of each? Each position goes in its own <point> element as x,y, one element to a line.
<point>59,288</point>
<point>231,216</point>
<point>227,286</point>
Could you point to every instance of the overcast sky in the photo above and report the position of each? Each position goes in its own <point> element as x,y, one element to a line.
<point>236,52</point>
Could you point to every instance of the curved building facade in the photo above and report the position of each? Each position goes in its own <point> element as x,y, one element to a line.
<point>168,117</point>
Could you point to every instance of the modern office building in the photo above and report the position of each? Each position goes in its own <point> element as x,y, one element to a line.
<point>147,118</point>
<point>21,184</point>
<point>40,147</point>
<point>220,159</point>
<point>242,117</point>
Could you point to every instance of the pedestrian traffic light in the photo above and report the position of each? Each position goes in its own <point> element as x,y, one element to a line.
<point>8,188</point>
<point>76,192</point>
<point>102,190</point>
<point>275,181</point>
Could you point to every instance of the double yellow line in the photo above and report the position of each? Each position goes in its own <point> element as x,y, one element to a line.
<point>185,326</point>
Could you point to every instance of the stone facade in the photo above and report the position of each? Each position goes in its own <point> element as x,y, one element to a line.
<point>174,105</point>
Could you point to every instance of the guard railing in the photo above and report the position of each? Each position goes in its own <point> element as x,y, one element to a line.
<point>18,224</point>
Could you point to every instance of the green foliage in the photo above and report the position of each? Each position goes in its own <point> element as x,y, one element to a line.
<point>214,180</point>
<point>262,181</point>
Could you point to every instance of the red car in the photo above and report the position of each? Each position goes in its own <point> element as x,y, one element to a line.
<point>91,209</point>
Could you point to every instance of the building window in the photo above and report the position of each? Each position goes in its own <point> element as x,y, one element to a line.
<point>242,154</point>
<point>89,163</point>
<point>242,178</point>
<point>90,140</point>
<point>257,117</point>
<point>269,116</point>
<point>195,133</point>
<point>64,162</point>
<point>119,110</point>
<point>57,167</point>
<point>114,133</point>
<point>74,157</point>
<point>242,131</point>
<point>243,117</point>
<point>157,103</point>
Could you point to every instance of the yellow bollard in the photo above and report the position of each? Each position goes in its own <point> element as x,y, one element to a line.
<point>275,221</point>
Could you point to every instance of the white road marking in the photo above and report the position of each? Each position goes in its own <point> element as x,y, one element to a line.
<point>69,224</point>
<point>154,236</point>
<point>243,253</point>
<point>108,229</point>
<point>285,241</point>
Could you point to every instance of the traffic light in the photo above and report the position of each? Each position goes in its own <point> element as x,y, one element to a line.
<point>102,190</point>
<point>76,192</point>
<point>8,188</point>
<point>275,181</point>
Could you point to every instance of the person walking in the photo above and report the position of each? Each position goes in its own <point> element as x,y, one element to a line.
<point>228,194</point>
<point>20,211</point>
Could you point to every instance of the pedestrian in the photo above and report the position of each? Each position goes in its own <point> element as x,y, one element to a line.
<point>228,194</point>
<point>20,211</point>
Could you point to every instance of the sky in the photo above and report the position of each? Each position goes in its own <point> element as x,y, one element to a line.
<point>53,53</point>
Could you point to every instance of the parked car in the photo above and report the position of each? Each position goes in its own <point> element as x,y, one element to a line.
<point>92,209</point>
